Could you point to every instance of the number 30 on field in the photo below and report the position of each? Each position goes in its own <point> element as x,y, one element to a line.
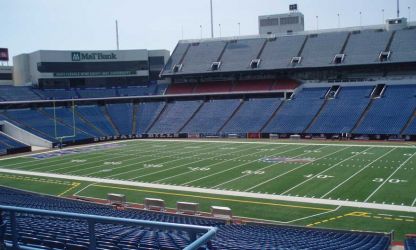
<point>394,181</point>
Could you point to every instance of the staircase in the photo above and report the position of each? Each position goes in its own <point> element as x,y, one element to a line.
<point>273,115</point>
<point>363,115</point>
<point>316,116</point>
<point>157,117</point>
<point>231,116</point>
<point>104,110</point>
<point>192,116</point>
<point>134,123</point>
<point>409,122</point>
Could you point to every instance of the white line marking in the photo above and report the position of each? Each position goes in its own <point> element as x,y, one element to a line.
<point>413,203</point>
<point>238,166</point>
<point>320,173</point>
<point>272,165</point>
<point>217,192</point>
<point>311,216</point>
<point>356,173</point>
<point>388,178</point>
<point>287,172</point>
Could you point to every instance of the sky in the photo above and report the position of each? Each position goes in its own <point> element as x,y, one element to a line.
<point>30,25</point>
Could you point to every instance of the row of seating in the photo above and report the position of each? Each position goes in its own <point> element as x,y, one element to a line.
<point>360,47</point>
<point>352,109</point>
<point>11,93</point>
<point>7,143</point>
<point>49,232</point>
<point>229,87</point>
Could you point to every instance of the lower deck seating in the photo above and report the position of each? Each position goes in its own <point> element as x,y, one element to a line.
<point>7,143</point>
<point>122,116</point>
<point>48,232</point>
<point>252,116</point>
<point>339,115</point>
<point>211,117</point>
<point>146,114</point>
<point>174,117</point>
<point>389,113</point>
<point>296,114</point>
<point>97,119</point>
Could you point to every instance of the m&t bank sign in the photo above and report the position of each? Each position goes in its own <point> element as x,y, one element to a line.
<point>78,56</point>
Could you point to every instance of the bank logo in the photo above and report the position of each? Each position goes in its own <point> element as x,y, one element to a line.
<point>76,56</point>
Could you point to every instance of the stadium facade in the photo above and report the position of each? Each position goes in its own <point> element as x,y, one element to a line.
<point>72,69</point>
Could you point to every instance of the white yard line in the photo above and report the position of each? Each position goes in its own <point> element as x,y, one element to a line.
<point>358,172</point>
<point>388,178</point>
<point>89,185</point>
<point>311,216</point>
<point>217,192</point>
<point>287,172</point>
<point>322,172</point>
<point>210,165</point>
<point>238,166</point>
<point>189,163</point>
<point>172,152</point>
<point>169,161</point>
<point>413,203</point>
<point>272,165</point>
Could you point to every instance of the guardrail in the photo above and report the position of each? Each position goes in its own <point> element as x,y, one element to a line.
<point>192,230</point>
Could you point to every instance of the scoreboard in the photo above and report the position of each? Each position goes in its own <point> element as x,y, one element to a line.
<point>4,54</point>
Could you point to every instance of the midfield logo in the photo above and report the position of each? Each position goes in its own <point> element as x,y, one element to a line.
<point>78,56</point>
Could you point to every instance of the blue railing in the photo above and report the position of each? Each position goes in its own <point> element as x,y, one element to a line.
<point>92,220</point>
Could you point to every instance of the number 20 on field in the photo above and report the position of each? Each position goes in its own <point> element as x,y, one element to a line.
<point>393,181</point>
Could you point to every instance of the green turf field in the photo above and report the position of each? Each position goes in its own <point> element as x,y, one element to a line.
<point>255,172</point>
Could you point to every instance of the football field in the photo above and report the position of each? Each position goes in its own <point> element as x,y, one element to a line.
<point>297,183</point>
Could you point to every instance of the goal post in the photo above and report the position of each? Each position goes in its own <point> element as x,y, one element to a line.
<point>60,138</point>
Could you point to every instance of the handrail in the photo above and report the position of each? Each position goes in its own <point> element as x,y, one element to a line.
<point>193,230</point>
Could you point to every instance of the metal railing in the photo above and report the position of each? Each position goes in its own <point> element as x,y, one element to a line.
<point>92,220</point>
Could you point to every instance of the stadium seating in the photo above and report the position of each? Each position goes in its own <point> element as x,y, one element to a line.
<point>10,93</point>
<point>211,116</point>
<point>260,85</point>
<point>41,124</point>
<point>339,115</point>
<point>93,115</point>
<point>122,116</point>
<point>97,93</point>
<point>174,117</point>
<point>252,116</point>
<point>48,232</point>
<point>364,46</point>
<point>239,53</point>
<point>201,55</point>
<point>180,88</point>
<point>57,94</point>
<point>134,91</point>
<point>320,49</point>
<point>295,115</point>
<point>389,114</point>
<point>403,47</point>
<point>146,114</point>
<point>410,243</point>
<point>278,53</point>
<point>7,143</point>
<point>213,87</point>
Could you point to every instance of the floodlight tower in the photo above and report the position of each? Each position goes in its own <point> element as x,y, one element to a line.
<point>212,21</point>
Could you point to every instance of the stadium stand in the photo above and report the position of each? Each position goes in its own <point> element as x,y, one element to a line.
<point>94,116</point>
<point>47,232</point>
<point>174,116</point>
<point>96,93</point>
<point>181,88</point>
<point>9,144</point>
<point>57,94</point>
<point>213,87</point>
<point>389,113</point>
<point>252,116</point>
<point>146,114</point>
<point>10,93</point>
<point>410,242</point>
<point>341,113</point>
<point>123,122</point>
<point>200,56</point>
<point>239,53</point>
<point>402,46</point>
<point>320,49</point>
<point>260,85</point>
<point>364,46</point>
<point>296,114</point>
<point>211,116</point>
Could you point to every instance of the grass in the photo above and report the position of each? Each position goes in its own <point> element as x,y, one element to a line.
<point>366,173</point>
